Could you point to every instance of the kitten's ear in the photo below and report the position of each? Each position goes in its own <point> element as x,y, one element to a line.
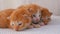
<point>29,9</point>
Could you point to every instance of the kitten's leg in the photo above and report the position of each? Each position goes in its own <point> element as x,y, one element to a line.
<point>36,25</point>
<point>41,23</point>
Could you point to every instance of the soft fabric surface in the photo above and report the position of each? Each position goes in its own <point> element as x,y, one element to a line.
<point>52,28</point>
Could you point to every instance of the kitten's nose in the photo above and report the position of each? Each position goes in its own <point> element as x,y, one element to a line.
<point>16,28</point>
<point>37,19</point>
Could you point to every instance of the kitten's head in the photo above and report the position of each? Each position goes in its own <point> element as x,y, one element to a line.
<point>46,15</point>
<point>20,19</point>
<point>35,11</point>
<point>20,22</point>
<point>36,16</point>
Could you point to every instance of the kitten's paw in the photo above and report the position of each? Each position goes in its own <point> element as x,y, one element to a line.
<point>42,24</point>
<point>36,26</point>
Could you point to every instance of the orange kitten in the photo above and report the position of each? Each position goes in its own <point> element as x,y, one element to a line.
<point>35,11</point>
<point>20,19</point>
<point>4,21</point>
<point>46,15</point>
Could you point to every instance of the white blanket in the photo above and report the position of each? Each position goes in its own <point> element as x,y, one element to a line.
<point>52,28</point>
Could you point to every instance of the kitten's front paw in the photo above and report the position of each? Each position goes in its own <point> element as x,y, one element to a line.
<point>36,25</point>
<point>42,24</point>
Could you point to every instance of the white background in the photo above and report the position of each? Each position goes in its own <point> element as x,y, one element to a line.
<point>53,5</point>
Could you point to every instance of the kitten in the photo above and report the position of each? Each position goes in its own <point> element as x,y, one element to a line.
<point>20,19</point>
<point>35,11</point>
<point>46,16</point>
<point>4,14</point>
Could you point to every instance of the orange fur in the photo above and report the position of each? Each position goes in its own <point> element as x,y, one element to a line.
<point>20,16</point>
<point>4,22</point>
<point>7,12</point>
<point>46,15</point>
<point>32,9</point>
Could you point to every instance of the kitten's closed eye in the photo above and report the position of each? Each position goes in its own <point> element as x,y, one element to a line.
<point>34,16</point>
<point>19,23</point>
